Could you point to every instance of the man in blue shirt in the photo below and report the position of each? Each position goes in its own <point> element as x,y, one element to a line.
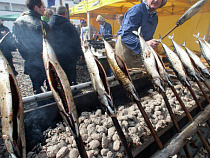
<point>105,28</point>
<point>144,15</point>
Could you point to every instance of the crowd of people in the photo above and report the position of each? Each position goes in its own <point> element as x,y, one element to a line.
<point>66,41</point>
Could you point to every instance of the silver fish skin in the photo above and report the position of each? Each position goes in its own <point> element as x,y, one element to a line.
<point>205,50</point>
<point>100,84</point>
<point>196,60</point>
<point>149,62</point>
<point>185,59</point>
<point>161,68</point>
<point>191,11</point>
<point>120,71</point>
<point>208,44</point>
<point>176,64</point>
<point>12,119</point>
<point>60,88</point>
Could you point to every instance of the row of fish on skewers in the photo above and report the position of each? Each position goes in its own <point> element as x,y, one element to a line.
<point>183,65</point>
<point>11,100</point>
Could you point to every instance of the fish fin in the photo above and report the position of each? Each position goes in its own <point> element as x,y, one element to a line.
<point>171,37</point>
<point>43,31</point>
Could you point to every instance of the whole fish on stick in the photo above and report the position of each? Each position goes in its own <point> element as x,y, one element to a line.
<point>100,85</point>
<point>12,119</point>
<point>205,50</point>
<point>62,93</point>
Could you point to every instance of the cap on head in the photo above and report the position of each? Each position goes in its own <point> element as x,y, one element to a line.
<point>100,18</point>
<point>83,22</point>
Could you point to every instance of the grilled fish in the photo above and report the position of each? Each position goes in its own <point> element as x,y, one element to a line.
<point>205,41</point>
<point>197,62</point>
<point>176,64</point>
<point>60,87</point>
<point>191,11</point>
<point>185,59</point>
<point>205,50</point>
<point>161,68</point>
<point>12,119</point>
<point>99,81</point>
<point>120,71</point>
<point>149,62</point>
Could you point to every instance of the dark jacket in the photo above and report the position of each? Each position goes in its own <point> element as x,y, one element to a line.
<point>66,38</point>
<point>3,28</point>
<point>29,41</point>
<point>106,30</point>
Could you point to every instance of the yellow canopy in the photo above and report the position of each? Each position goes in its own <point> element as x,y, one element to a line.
<point>109,8</point>
<point>168,16</point>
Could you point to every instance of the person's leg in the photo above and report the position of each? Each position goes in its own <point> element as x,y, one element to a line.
<point>70,70</point>
<point>38,76</point>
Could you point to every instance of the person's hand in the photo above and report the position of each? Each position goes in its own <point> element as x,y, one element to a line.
<point>99,35</point>
<point>153,43</point>
<point>115,36</point>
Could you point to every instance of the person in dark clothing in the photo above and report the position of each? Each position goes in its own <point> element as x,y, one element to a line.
<point>28,34</point>
<point>7,45</point>
<point>67,42</point>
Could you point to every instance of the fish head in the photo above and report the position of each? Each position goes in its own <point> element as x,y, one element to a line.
<point>159,85</point>
<point>107,104</point>
<point>206,73</point>
<point>131,92</point>
<point>184,81</point>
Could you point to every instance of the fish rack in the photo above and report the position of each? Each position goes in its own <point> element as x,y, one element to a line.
<point>39,119</point>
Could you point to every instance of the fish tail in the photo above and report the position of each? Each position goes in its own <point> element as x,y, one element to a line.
<point>184,44</point>
<point>135,32</point>
<point>159,40</point>
<point>171,37</point>
<point>197,36</point>
<point>139,30</point>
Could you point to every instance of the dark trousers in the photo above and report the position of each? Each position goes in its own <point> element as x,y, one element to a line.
<point>70,70</point>
<point>37,74</point>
